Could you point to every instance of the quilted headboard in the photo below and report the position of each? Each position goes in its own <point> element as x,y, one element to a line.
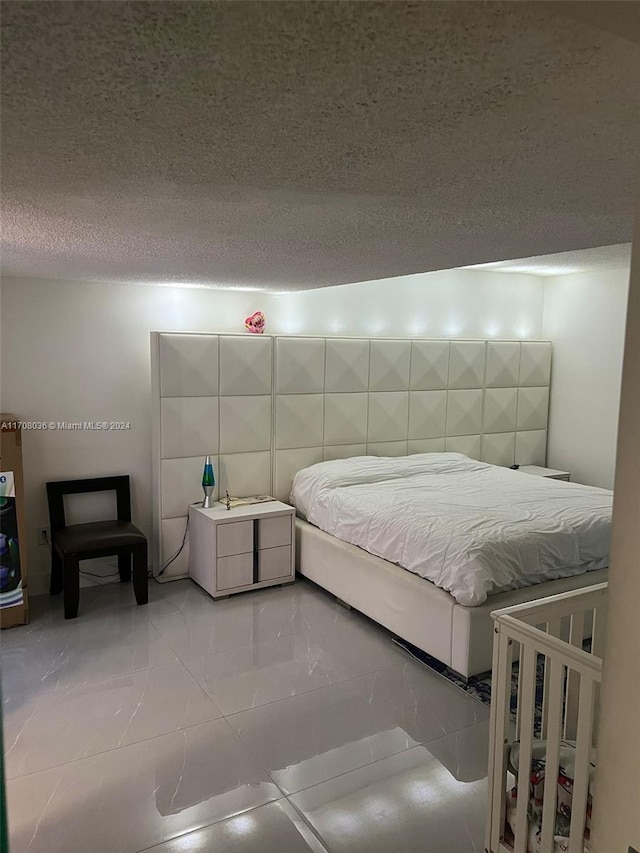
<point>265,407</point>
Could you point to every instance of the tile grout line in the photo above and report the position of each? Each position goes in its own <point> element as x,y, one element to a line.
<point>52,694</point>
<point>179,661</point>
<point>308,823</point>
<point>283,796</point>
<point>226,717</point>
<point>305,692</point>
<point>116,748</point>
<point>211,696</point>
<point>324,686</point>
<point>233,648</point>
<point>416,745</point>
<point>246,811</point>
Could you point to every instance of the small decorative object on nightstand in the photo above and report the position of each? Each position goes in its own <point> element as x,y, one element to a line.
<point>247,547</point>
<point>208,483</point>
<point>549,473</point>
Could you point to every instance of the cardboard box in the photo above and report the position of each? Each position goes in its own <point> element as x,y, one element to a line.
<point>14,605</point>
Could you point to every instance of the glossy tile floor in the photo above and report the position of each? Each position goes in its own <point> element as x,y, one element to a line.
<point>276,721</point>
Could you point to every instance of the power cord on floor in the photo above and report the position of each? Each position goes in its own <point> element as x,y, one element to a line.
<point>94,575</point>
<point>150,574</point>
<point>166,565</point>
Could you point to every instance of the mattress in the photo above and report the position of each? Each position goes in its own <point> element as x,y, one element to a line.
<point>470,528</point>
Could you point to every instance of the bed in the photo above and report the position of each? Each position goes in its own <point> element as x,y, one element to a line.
<point>428,545</point>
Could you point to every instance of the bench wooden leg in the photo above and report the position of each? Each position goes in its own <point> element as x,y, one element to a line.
<point>140,573</point>
<point>71,570</point>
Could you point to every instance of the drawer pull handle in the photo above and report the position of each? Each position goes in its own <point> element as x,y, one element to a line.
<point>256,547</point>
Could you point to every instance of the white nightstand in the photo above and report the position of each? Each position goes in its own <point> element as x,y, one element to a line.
<point>248,547</point>
<point>549,473</point>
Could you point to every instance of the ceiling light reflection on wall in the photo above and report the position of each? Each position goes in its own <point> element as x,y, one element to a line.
<point>204,285</point>
<point>174,308</point>
<point>529,268</point>
<point>617,256</point>
<point>290,326</point>
<point>418,327</point>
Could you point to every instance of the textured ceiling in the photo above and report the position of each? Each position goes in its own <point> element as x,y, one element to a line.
<point>303,144</point>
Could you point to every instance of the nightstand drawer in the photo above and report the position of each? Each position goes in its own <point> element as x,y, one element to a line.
<point>274,563</point>
<point>273,532</point>
<point>234,537</point>
<point>234,571</point>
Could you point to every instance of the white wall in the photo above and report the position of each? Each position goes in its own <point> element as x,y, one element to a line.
<point>616,818</point>
<point>584,316</point>
<point>453,303</point>
<point>81,352</point>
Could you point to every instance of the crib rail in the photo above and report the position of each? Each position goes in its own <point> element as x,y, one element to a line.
<point>559,643</point>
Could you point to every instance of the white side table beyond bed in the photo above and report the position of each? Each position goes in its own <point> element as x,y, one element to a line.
<point>549,473</point>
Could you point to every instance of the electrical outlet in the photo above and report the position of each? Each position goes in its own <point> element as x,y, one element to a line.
<point>43,536</point>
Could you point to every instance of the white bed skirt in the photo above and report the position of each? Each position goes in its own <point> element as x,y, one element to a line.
<point>411,607</point>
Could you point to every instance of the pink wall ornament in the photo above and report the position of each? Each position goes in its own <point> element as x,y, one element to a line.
<point>255,323</point>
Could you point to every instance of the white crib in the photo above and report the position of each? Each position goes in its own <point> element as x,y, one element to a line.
<point>554,628</point>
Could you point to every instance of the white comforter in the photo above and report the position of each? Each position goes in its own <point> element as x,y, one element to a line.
<point>470,528</point>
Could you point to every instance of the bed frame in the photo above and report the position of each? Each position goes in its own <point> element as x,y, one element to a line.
<point>410,606</point>
<point>552,629</point>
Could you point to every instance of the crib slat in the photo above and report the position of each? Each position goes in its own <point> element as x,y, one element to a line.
<point>598,637</point>
<point>526,715</point>
<point>553,628</point>
<point>589,616</point>
<point>499,727</point>
<point>598,640</point>
<point>556,672</point>
<point>576,629</point>
<point>519,696</point>
<point>576,636</point>
<point>599,630</point>
<point>581,775</point>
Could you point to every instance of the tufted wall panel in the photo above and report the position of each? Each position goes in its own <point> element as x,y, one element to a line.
<point>212,395</point>
<point>265,407</point>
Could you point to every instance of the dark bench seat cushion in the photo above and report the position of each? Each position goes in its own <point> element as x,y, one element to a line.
<point>97,535</point>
